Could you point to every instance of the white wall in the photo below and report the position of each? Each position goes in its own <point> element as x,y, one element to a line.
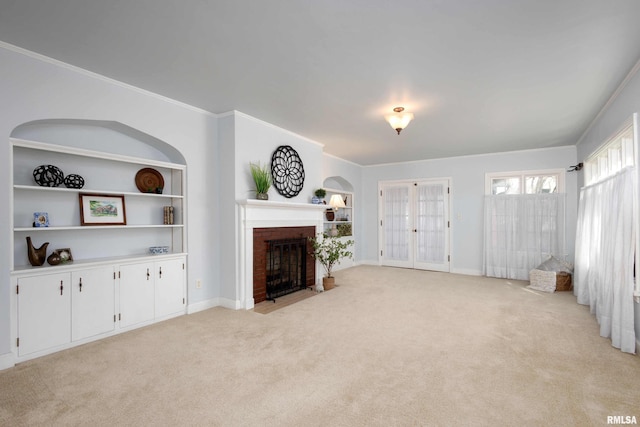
<point>32,88</point>
<point>467,191</point>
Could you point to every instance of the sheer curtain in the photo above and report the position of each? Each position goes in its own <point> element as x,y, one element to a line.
<point>430,223</point>
<point>521,231</point>
<point>396,220</point>
<point>603,276</point>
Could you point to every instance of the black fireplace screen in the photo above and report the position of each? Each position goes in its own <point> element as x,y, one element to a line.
<point>286,266</point>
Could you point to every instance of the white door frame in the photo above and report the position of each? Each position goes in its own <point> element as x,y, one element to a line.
<point>411,227</point>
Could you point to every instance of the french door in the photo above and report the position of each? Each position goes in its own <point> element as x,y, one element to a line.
<point>414,224</point>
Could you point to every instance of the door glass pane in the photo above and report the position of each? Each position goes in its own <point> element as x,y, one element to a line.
<point>430,224</point>
<point>396,223</point>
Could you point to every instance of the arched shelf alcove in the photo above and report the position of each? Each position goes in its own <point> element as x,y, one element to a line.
<point>337,183</point>
<point>339,220</point>
<point>99,135</point>
<point>105,204</point>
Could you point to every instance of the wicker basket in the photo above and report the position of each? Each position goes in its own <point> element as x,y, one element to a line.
<point>563,281</point>
<point>550,281</point>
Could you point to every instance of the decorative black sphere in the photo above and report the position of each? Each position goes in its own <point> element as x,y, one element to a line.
<point>73,181</point>
<point>48,176</point>
<point>287,171</point>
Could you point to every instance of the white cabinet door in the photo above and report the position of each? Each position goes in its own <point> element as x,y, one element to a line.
<point>136,293</point>
<point>169,292</point>
<point>44,312</point>
<point>92,302</point>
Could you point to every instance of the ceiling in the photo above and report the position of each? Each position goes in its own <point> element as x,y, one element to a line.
<point>480,76</point>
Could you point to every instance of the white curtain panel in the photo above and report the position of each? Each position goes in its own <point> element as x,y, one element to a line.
<point>521,231</point>
<point>603,277</point>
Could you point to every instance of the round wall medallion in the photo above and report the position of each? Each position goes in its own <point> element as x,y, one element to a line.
<point>48,176</point>
<point>287,171</point>
<point>73,181</point>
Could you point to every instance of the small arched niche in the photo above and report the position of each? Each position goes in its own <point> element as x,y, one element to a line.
<point>337,183</point>
<point>98,135</point>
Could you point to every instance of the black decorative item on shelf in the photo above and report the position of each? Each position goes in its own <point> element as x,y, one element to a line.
<point>287,171</point>
<point>48,176</point>
<point>73,181</point>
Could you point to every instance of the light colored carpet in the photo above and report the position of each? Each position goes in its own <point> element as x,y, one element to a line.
<point>388,347</point>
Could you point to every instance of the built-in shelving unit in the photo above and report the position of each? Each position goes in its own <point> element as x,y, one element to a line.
<point>113,284</point>
<point>342,224</point>
<point>106,174</point>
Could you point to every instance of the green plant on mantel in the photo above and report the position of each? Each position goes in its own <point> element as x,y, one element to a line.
<point>261,177</point>
<point>320,193</point>
<point>329,250</point>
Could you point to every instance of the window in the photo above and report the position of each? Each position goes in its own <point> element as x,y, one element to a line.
<point>616,154</point>
<point>525,182</point>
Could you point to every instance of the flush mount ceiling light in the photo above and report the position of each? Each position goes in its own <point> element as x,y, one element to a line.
<point>399,119</point>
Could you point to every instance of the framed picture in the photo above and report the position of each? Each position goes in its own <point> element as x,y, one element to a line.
<point>64,254</point>
<point>40,219</point>
<point>100,209</point>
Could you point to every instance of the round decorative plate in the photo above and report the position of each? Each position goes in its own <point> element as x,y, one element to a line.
<point>149,180</point>
<point>287,171</point>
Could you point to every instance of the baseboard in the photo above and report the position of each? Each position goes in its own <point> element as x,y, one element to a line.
<point>203,305</point>
<point>637,347</point>
<point>229,303</point>
<point>7,361</point>
<point>467,271</point>
<point>368,262</point>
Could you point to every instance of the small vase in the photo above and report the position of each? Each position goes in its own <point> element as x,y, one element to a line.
<point>262,196</point>
<point>315,200</point>
<point>330,214</point>
<point>36,256</point>
<point>54,259</point>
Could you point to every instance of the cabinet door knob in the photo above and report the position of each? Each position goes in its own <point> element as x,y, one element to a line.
<point>61,287</point>
<point>160,273</point>
<point>80,284</point>
<point>147,274</point>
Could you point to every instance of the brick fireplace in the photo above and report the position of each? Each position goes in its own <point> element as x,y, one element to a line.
<point>263,220</point>
<point>279,243</point>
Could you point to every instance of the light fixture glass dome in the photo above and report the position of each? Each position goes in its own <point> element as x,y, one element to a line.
<point>399,119</point>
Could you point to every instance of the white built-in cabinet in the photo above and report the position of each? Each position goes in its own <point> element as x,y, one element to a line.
<point>113,284</point>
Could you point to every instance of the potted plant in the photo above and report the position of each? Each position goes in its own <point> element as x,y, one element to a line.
<point>262,178</point>
<point>328,251</point>
<point>319,195</point>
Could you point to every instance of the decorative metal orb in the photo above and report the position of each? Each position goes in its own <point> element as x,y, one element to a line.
<point>73,181</point>
<point>48,176</point>
<point>287,171</point>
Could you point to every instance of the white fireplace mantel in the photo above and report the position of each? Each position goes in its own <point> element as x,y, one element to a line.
<point>265,214</point>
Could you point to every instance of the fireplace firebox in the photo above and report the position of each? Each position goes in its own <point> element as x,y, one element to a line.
<point>282,263</point>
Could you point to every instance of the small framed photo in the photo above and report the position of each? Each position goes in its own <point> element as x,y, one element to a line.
<point>101,209</point>
<point>64,254</point>
<point>40,219</point>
